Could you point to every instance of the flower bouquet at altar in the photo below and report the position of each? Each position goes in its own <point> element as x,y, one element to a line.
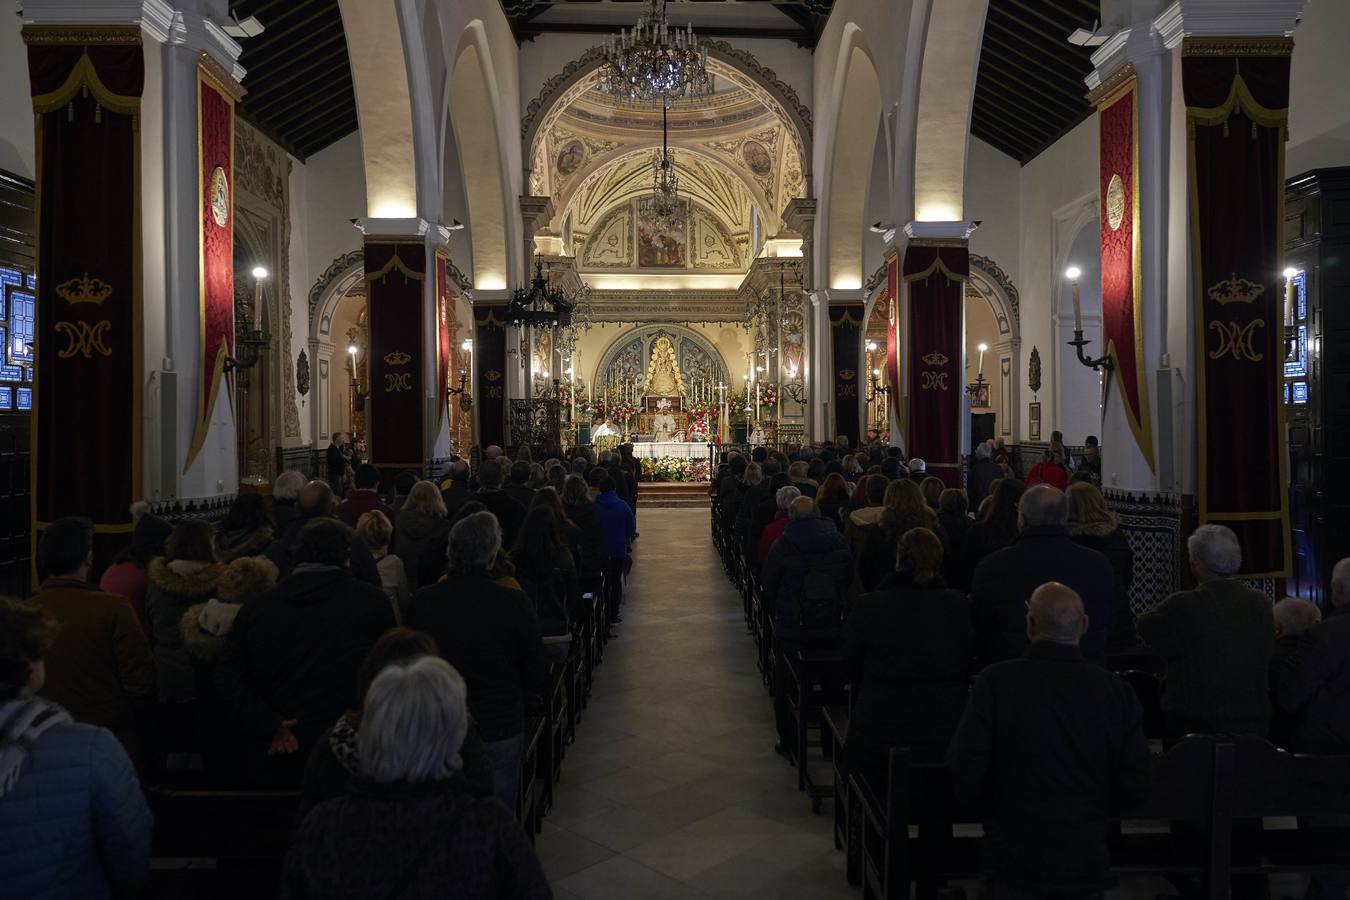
<point>569,396</point>
<point>597,409</point>
<point>768,393</point>
<point>670,468</point>
<point>622,413</point>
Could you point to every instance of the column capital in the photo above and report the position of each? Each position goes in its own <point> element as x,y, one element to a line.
<point>1227,18</point>
<point>839,296</point>
<point>410,229</point>
<point>941,231</point>
<point>157,18</point>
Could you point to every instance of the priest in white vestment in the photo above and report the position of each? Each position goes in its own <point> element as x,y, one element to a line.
<point>663,423</point>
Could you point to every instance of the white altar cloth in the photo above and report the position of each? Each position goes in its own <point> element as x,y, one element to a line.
<point>677,449</point>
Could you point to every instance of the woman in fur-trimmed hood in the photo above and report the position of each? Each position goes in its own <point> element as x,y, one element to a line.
<point>246,531</point>
<point>205,625</point>
<point>185,575</point>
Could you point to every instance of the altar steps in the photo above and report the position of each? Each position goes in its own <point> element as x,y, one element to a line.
<point>673,495</point>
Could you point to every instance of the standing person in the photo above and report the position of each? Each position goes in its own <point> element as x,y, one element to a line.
<point>520,489</point>
<point>1094,525</point>
<point>832,498</point>
<point>489,633</point>
<point>411,826</point>
<point>290,659</point>
<point>904,508</point>
<point>336,461</point>
<point>99,667</point>
<point>956,524</point>
<point>73,821</point>
<point>456,491</point>
<point>509,513</point>
<point>1217,640</point>
<point>1050,470</point>
<point>246,530</point>
<point>374,529</point>
<point>548,575</point>
<point>983,472</point>
<point>420,531</point>
<point>580,509</point>
<point>908,646</point>
<point>996,525</point>
<point>285,490</point>
<point>129,574</point>
<point>187,574</point>
<point>618,527</point>
<point>1091,463</point>
<point>806,577</point>
<point>1049,747</point>
<point>364,497</point>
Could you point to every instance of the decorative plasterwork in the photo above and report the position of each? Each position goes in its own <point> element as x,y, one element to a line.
<point>342,276</point>
<point>993,272</point>
<point>667,306</point>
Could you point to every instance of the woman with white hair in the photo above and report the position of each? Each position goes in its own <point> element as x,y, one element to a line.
<point>410,827</point>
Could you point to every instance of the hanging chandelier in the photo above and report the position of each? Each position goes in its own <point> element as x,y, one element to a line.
<point>654,61</point>
<point>663,209</point>
<point>542,305</point>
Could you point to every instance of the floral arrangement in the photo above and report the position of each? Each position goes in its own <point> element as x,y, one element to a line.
<point>622,412</point>
<point>768,393</point>
<point>671,468</point>
<point>568,396</point>
<point>704,409</point>
<point>700,427</point>
<point>597,408</point>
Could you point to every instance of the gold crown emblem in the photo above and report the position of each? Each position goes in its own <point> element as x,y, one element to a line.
<point>84,290</point>
<point>935,359</point>
<point>492,375</point>
<point>846,374</point>
<point>1235,290</point>
<point>397,358</point>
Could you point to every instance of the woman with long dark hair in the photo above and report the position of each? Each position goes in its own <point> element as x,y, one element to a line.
<point>997,527</point>
<point>547,574</point>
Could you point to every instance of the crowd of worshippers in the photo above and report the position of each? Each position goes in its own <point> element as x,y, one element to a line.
<point>379,654</point>
<point>975,627</point>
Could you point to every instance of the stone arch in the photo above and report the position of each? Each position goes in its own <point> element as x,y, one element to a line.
<point>740,65</point>
<point>474,100</point>
<point>848,163</point>
<point>646,333</point>
<point>344,278</point>
<point>951,57</point>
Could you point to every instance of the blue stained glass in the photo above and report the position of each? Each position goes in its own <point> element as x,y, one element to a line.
<point>1287,395</point>
<point>32,282</point>
<point>1300,392</point>
<point>22,306</point>
<point>11,276</point>
<point>1300,296</point>
<point>11,373</point>
<point>1299,366</point>
<point>23,398</point>
<point>28,373</point>
<point>6,398</point>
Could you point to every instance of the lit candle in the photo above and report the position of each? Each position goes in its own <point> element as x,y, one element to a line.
<point>983,347</point>
<point>1072,274</point>
<point>351,354</point>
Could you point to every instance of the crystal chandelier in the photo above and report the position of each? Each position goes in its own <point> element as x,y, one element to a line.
<point>654,61</point>
<point>663,209</point>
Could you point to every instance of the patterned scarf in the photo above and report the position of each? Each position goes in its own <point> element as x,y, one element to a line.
<point>22,721</point>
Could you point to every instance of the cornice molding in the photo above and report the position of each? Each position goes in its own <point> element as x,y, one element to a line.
<point>667,306</point>
<point>1226,18</point>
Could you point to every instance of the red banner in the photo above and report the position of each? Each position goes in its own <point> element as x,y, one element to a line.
<point>1122,306</point>
<point>892,307</point>
<point>1237,109</point>
<point>87,353</point>
<point>215,196</point>
<point>395,274</point>
<point>936,278</point>
<point>445,310</point>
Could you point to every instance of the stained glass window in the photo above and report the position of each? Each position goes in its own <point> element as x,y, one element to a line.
<point>11,276</point>
<point>22,310</point>
<point>1300,391</point>
<point>32,282</point>
<point>11,373</point>
<point>1297,365</point>
<point>23,398</point>
<point>6,398</point>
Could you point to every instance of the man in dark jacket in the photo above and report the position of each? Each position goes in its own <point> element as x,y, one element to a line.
<point>1049,747</point>
<point>316,501</point>
<point>1217,640</point>
<point>364,498</point>
<point>336,462</point>
<point>983,472</point>
<point>1042,551</point>
<point>519,489</point>
<point>1312,682</point>
<point>456,492</point>
<point>289,664</point>
<point>284,491</point>
<point>807,569</point>
<point>618,526</point>
<point>510,514</point>
<point>490,634</point>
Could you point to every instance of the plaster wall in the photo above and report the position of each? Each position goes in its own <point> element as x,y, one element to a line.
<point>994,200</point>
<point>1319,106</point>
<point>16,108</point>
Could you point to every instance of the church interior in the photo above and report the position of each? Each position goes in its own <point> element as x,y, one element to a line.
<point>809,362</point>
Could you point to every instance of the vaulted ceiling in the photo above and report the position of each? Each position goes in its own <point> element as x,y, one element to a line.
<point>1030,91</point>
<point>299,81</point>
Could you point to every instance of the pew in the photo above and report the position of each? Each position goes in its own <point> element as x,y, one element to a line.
<point>815,679</point>
<point>245,834</point>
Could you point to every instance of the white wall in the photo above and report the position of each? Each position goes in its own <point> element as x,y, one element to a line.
<point>993,199</point>
<point>1319,105</point>
<point>16,109</point>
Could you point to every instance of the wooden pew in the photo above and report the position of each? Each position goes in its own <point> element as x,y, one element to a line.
<point>815,679</point>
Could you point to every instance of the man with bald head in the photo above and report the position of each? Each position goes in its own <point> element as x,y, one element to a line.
<point>1050,746</point>
<point>1002,583</point>
<point>316,500</point>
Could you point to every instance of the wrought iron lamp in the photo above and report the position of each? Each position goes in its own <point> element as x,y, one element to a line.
<point>253,346</point>
<point>978,385</point>
<point>654,61</point>
<point>663,208</point>
<point>1079,342</point>
<point>541,305</point>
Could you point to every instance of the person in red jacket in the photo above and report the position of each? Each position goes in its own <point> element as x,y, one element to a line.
<point>774,530</point>
<point>1050,470</point>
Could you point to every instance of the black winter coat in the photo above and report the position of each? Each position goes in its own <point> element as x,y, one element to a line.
<point>1111,543</point>
<point>1049,747</point>
<point>490,634</point>
<point>909,649</point>
<point>587,521</point>
<point>1002,584</point>
<point>510,514</point>
<point>282,550</point>
<point>294,651</point>
<point>1313,686</point>
<point>807,545</point>
<point>412,841</point>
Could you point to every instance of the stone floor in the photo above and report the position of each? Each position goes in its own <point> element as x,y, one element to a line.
<point>672,789</point>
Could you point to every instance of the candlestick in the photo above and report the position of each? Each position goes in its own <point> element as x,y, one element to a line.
<point>1072,274</point>
<point>983,347</point>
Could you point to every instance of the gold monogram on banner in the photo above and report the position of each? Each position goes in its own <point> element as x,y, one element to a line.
<point>397,382</point>
<point>1236,339</point>
<point>847,390</point>
<point>85,338</point>
<point>931,380</point>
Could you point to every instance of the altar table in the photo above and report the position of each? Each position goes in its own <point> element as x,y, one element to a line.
<point>677,449</point>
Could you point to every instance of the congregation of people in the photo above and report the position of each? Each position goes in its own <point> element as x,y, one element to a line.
<point>376,652</point>
<point>979,627</point>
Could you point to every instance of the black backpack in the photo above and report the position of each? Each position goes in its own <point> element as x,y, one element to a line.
<point>819,606</point>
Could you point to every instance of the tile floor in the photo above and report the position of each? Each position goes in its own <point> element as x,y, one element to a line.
<point>672,789</point>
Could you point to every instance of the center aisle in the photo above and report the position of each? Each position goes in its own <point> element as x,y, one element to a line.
<point>672,788</point>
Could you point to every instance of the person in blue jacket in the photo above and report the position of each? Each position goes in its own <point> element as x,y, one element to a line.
<point>73,820</point>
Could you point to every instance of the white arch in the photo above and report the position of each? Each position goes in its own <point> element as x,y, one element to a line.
<point>475,103</point>
<point>848,164</point>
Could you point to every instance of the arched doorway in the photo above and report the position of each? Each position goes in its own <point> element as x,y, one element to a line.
<point>336,309</point>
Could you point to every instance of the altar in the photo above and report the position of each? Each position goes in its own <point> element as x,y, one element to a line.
<point>671,449</point>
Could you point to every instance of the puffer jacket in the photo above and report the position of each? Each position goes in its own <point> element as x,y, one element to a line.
<point>807,545</point>
<point>174,587</point>
<point>74,823</point>
<point>232,545</point>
